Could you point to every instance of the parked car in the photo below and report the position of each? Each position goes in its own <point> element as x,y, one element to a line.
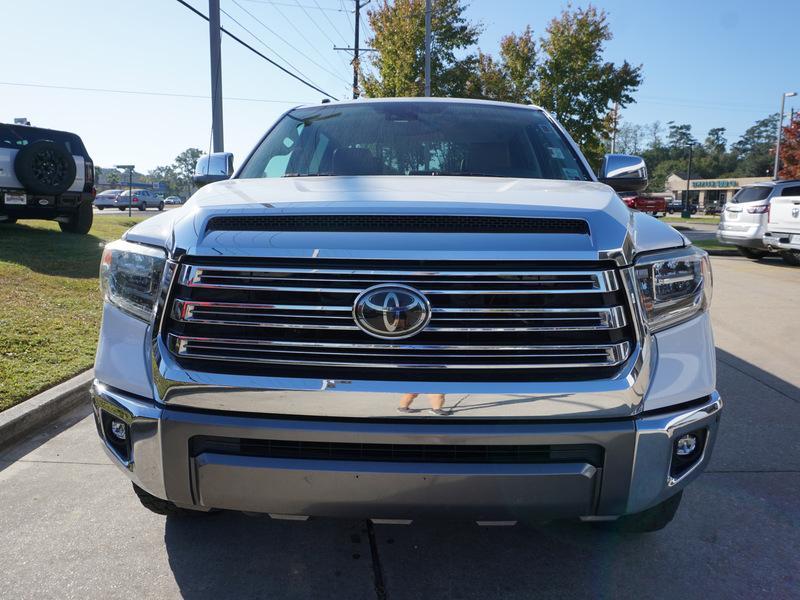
<point>743,221</point>
<point>106,199</point>
<point>676,205</point>
<point>173,200</point>
<point>654,205</point>
<point>138,198</point>
<point>783,223</point>
<point>427,307</point>
<point>45,174</point>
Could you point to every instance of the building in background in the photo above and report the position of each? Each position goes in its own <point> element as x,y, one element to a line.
<point>709,193</point>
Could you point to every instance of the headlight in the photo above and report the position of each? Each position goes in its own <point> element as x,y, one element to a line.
<point>673,286</point>
<point>130,277</point>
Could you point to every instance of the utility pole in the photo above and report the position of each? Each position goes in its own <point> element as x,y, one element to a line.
<point>427,48</point>
<point>355,49</point>
<point>216,75</point>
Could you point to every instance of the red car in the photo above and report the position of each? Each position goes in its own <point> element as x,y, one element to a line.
<point>649,204</point>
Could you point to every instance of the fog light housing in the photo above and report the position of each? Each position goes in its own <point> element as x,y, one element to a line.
<point>119,430</point>
<point>687,450</point>
<point>685,445</point>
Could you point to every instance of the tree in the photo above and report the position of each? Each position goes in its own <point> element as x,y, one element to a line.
<point>790,150</point>
<point>514,77</point>
<point>679,136</point>
<point>755,148</point>
<point>564,73</point>
<point>398,66</point>
<point>715,140</point>
<point>576,84</point>
<point>184,167</point>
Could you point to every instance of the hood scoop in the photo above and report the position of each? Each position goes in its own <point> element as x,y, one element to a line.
<point>383,223</point>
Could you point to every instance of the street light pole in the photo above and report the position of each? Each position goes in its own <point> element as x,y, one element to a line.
<point>130,169</point>
<point>686,212</point>
<point>778,136</point>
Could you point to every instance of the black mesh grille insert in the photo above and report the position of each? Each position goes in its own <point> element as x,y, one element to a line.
<point>398,224</point>
<point>407,453</point>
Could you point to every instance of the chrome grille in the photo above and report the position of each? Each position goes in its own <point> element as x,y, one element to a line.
<point>485,317</point>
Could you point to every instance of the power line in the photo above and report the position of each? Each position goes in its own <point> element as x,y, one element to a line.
<point>347,12</point>
<point>266,58</point>
<point>327,18</point>
<point>263,43</point>
<point>284,40</point>
<point>141,93</point>
<point>295,5</point>
<point>299,32</point>
<point>321,30</point>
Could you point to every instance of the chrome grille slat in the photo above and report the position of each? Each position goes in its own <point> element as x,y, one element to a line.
<point>222,313</point>
<point>303,317</point>
<point>214,277</point>
<point>262,351</point>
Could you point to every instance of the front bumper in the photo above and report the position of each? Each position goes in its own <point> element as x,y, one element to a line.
<point>782,241</point>
<point>168,453</point>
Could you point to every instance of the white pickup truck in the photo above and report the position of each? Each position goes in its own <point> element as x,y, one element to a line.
<point>783,227</point>
<point>399,309</point>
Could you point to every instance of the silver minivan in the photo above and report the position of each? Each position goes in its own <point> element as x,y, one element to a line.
<point>743,220</point>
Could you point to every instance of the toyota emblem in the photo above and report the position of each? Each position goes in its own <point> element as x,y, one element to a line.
<point>391,311</point>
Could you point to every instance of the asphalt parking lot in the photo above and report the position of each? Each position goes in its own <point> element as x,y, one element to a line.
<point>70,526</point>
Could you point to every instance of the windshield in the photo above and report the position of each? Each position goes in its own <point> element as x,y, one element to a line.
<point>751,194</point>
<point>415,138</point>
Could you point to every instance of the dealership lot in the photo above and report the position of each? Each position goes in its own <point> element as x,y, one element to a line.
<point>70,525</point>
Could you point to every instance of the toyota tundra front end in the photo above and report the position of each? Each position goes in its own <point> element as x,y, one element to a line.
<point>399,309</point>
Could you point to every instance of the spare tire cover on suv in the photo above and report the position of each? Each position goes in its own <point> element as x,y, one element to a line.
<point>45,167</point>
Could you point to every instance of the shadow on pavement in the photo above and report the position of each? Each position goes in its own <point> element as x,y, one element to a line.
<point>232,555</point>
<point>765,377</point>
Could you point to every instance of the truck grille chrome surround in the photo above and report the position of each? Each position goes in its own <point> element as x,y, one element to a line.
<point>563,321</point>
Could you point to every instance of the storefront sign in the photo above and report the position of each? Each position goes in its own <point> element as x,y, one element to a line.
<point>715,183</point>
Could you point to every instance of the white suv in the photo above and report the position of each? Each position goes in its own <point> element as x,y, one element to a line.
<point>743,220</point>
<point>45,174</point>
<point>783,227</point>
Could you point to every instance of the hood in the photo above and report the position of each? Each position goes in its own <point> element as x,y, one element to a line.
<point>614,231</point>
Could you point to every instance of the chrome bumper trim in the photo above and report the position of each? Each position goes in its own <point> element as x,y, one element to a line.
<point>634,476</point>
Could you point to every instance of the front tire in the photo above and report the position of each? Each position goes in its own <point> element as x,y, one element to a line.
<point>80,222</point>
<point>160,206</point>
<point>750,253</point>
<point>99,207</point>
<point>791,257</point>
<point>652,519</point>
<point>142,206</point>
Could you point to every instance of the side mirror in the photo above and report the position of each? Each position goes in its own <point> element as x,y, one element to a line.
<point>624,173</point>
<point>213,167</point>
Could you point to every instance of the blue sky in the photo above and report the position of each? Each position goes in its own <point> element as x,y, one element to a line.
<point>722,63</point>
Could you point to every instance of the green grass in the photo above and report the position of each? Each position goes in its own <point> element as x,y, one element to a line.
<point>692,220</point>
<point>50,313</point>
<point>713,246</point>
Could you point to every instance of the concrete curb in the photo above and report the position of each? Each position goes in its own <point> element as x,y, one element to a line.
<point>34,413</point>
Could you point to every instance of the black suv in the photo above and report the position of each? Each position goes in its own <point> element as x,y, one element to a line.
<point>45,174</point>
